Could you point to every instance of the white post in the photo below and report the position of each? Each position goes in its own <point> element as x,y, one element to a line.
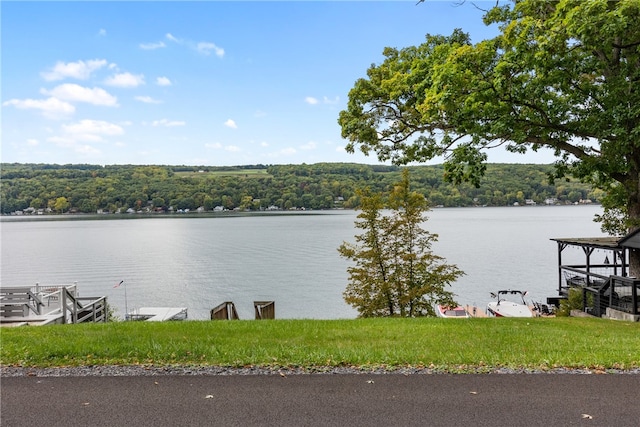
<point>126,309</point>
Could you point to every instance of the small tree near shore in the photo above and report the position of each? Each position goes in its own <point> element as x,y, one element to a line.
<point>394,271</point>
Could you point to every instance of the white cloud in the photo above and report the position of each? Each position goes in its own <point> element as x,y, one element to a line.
<point>52,108</point>
<point>205,48</point>
<point>78,70</point>
<point>32,142</point>
<point>163,81</point>
<point>309,146</point>
<point>102,32</point>
<point>231,124</point>
<point>61,141</point>
<point>72,143</point>
<point>75,136</point>
<point>311,100</point>
<point>264,144</point>
<point>88,150</point>
<point>91,130</point>
<point>86,137</point>
<point>288,151</point>
<point>125,80</point>
<point>148,100</point>
<point>331,101</point>
<point>233,148</point>
<point>152,46</point>
<point>75,93</point>
<point>215,145</point>
<point>167,123</point>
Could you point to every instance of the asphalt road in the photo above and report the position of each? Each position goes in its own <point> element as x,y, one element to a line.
<point>323,400</point>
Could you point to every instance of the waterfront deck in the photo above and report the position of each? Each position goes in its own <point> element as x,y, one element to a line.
<point>607,288</point>
<point>51,304</point>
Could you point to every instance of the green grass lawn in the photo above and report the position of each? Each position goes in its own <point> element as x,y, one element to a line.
<point>449,345</point>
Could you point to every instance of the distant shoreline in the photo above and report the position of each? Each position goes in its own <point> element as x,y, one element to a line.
<point>228,214</point>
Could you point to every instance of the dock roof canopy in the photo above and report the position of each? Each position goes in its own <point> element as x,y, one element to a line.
<point>593,242</point>
<point>631,240</point>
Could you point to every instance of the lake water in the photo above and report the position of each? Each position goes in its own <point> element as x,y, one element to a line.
<point>200,262</point>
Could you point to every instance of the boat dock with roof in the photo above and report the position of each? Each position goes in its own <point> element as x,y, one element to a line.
<point>608,289</point>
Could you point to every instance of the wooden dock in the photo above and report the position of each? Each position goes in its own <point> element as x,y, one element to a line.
<point>475,311</point>
<point>158,314</point>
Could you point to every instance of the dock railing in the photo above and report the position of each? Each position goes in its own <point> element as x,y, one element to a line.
<point>225,311</point>
<point>51,303</point>
<point>264,309</point>
<point>617,292</point>
<point>576,275</point>
<point>19,301</point>
<point>73,311</point>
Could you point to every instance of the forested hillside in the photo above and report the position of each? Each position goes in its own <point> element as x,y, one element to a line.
<point>120,188</point>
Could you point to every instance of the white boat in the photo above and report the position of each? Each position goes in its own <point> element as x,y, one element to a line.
<point>509,303</point>
<point>458,312</point>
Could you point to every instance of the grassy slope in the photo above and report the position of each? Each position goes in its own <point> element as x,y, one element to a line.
<point>453,345</point>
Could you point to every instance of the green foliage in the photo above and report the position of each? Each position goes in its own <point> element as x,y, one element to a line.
<point>61,204</point>
<point>112,314</point>
<point>562,75</point>
<point>394,271</point>
<point>574,301</point>
<point>319,186</point>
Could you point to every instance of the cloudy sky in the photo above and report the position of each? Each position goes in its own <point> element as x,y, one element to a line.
<point>199,83</point>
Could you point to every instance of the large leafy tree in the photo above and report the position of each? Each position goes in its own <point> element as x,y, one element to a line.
<point>394,271</point>
<point>563,75</point>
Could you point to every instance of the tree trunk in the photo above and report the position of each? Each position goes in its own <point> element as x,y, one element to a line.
<point>633,212</point>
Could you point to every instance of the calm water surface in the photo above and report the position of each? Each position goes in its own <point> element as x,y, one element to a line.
<point>290,259</point>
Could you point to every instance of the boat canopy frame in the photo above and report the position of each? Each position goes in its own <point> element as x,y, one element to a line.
<point>612,286</point>
<point>619,266</point>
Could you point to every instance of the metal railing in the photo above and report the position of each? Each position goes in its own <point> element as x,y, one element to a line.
<point>619,293</point>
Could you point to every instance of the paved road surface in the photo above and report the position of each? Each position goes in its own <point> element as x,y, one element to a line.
<point>323,400</point>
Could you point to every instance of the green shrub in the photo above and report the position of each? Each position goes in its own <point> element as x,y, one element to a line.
<point>573,302</point>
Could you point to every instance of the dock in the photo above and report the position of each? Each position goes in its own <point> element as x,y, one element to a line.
<point>475,311</point>
<point>49,304</point>
<point>158,314</point>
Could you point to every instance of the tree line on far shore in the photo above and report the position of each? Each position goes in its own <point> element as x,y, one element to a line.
<point>85,188</point>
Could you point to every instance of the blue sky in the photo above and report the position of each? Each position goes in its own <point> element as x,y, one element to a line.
<point>200,83</point>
